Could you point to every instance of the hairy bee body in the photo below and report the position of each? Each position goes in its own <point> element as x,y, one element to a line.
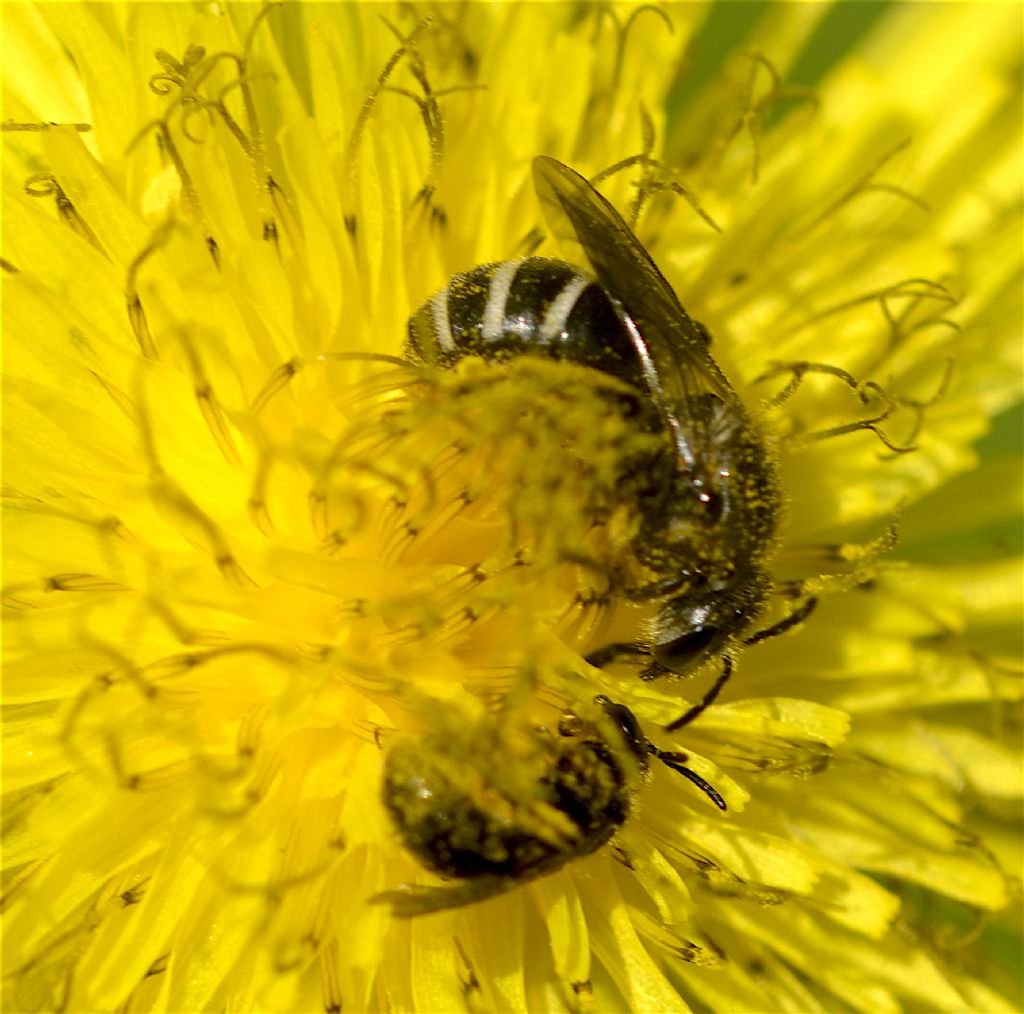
<point>708,500</point>
<point>492,804</point>
<point>542,800</point>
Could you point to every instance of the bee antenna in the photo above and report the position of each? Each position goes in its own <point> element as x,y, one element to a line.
<point>674,761</point>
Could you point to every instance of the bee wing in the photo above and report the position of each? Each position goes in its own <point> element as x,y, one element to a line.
<point>415,899</point>
<point>672,349</point>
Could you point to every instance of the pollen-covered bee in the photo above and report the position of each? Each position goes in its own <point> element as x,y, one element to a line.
<point>709,499</point>
<point>493,804</point>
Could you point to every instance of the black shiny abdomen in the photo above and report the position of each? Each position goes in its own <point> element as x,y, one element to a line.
<point>509,308</point>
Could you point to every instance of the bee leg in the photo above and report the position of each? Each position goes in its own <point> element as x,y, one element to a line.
<point>654,671</point>
<point>674,760</point>
<point>410,900</point>
<point>708,698</point>
<point>614,652</point>
<point>623,857</point>
<point>796,617</point>
<point>656,589</point>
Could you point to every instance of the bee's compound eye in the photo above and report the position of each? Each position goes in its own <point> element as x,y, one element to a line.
<point>683,650</point>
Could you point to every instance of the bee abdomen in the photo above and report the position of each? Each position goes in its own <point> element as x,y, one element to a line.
<point>509,308</point>
<point>470,829</point>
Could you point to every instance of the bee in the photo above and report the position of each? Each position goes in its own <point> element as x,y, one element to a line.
<point>709,498</point>
<point>493,805</point>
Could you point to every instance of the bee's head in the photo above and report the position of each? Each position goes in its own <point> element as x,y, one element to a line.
<point>692,632</point>
<point>702,621</point>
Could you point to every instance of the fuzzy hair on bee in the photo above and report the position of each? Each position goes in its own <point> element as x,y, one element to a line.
<point>492,804</point>
<point>708,494</point>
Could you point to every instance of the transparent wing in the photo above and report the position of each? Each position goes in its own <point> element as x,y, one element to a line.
<point>672,348</point>
<point>410,900</point>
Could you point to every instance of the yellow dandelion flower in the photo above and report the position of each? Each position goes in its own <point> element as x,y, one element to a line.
<point>296,621</point>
